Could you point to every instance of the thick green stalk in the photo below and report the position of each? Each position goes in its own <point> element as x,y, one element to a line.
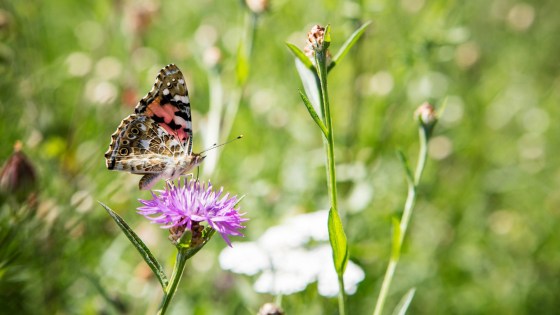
<point>321,61</point>
<point>181,260</point>
<point>405,219</point>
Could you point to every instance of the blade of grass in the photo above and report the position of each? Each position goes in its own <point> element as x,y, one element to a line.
<point>404,303</point>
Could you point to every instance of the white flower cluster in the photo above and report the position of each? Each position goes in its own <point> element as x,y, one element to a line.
<point>290,256</point>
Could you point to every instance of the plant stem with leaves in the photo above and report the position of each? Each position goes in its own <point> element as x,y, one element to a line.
<point>318,43</point>
<point>427,119</point>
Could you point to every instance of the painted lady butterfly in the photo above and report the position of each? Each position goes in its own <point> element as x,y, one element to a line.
<point>156,141</point>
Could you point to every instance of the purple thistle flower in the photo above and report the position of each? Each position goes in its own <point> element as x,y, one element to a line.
<point>183,207</point>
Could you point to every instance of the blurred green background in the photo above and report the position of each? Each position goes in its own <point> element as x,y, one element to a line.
<point>483,238</point>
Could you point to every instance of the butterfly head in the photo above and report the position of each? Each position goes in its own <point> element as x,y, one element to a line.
<point>194,160</point>
<point>197,159</point>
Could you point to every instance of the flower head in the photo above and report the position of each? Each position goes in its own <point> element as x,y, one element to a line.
<point>186,205</point>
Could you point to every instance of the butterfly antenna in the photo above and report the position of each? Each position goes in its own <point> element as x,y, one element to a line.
<point>214,146</point>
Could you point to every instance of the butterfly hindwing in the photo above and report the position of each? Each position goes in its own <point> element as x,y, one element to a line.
<point>140,146</point>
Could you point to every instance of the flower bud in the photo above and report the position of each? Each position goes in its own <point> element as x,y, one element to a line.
<point>426,116</point>
<point>257,6</point>
<point>271,309</point>
<point>18,177</point>
<point>315,40</point>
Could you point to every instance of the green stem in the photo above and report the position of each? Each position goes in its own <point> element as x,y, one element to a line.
<point>321,61</point>
<point>423,134</point>
<point>325,106</point>
<point>341,296</point>
<point>181,260</point>
<point>405,219</point>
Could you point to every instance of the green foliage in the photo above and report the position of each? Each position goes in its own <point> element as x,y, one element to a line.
<point>339,243</point>
<point>483,238</point>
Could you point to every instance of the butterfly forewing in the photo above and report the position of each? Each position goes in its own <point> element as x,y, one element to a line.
<point>168,104</point>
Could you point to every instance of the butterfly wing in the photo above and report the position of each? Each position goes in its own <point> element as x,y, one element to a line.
<point>156,141</point>
<point>141,146</point>
<point>169,106</point>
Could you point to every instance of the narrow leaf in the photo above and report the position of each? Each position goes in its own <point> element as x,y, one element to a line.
<point>339,244</point>
<point>407,170</point>
<point>313,113</point>
<point>348,44</point>
<point>300,56</point>
<point>442,107</point>
<point>310,82</point>
<point>396,244</point>
<point>140,246</point>
<point>242,65</point>
<point>404,303</point>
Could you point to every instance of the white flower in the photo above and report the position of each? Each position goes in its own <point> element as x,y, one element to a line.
<point>286,262</point>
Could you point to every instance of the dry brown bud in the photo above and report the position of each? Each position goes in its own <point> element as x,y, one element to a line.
<point>18,176</point>
<point>315,40</point>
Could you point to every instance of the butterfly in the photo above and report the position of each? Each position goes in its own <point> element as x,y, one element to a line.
<point>156,141</point>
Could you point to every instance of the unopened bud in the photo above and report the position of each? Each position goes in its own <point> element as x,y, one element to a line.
<point>18,177</point>
<point>257,6</point>
<point>427,116</point>
<point>271,309</point>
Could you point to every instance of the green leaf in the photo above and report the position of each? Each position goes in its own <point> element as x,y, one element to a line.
<point>242,65</point>
<point>404,303</point>
<point>327,37</point>
<point>140,246</point>
<point>301,56</point>
<point>339,243</point>
<point>348,44</point>
<point>396,244</point>
<point>313,113</point>
<point>311,84</point>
